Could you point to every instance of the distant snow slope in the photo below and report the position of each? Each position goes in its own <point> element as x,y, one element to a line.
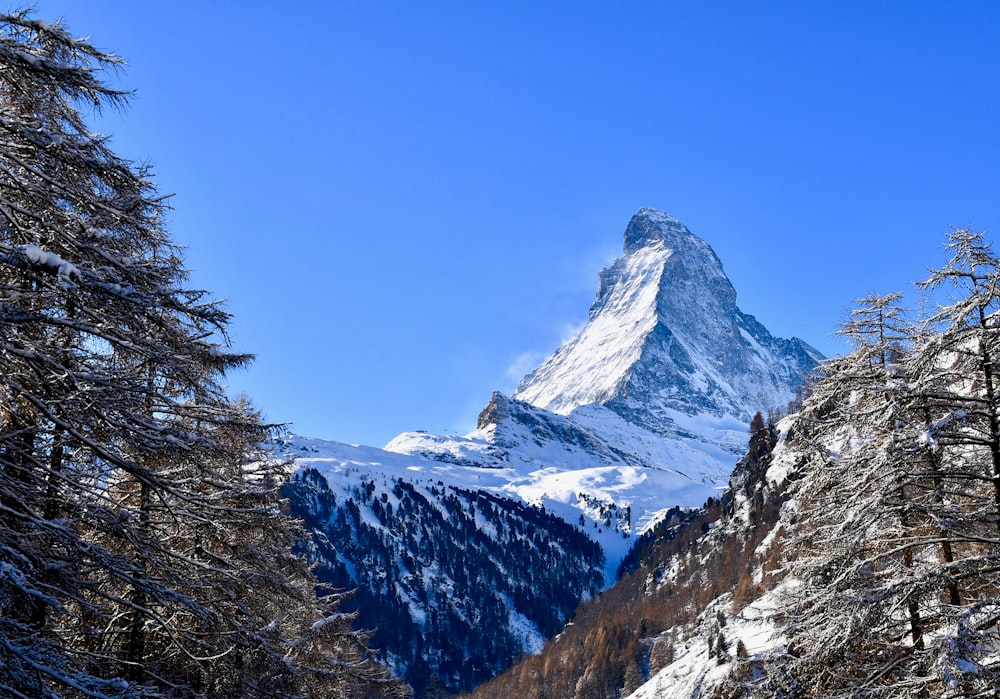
<point>616,501</point>
<point>458,576</point>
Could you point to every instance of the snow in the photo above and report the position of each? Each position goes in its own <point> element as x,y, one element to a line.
<point>693,673</point>
<point>625,465</point>
<point>522,628</point>
<point>556,443</point>
<point>30,58</point>
<point>762,356</point>
<point>329,620</point>
<point>612,340</point>
<point>64,270</point>
<point>647,491</point>
<point>726,430</point>
<point>966,666</point>
<point>783,460</point>
<point>417,612</point>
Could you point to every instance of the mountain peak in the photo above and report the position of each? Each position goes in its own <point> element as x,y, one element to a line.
<point>651,226</point>
<point>666,346</point>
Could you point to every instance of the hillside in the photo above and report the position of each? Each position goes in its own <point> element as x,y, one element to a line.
<point>690,576</point>
<point>857,550</point>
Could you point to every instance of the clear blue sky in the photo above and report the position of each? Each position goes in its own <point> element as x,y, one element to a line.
<point>403,201</point>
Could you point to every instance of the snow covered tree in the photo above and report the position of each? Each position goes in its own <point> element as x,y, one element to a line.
<point>846,618</point>
<point>896,549</point>
<point>143,550</point>
<point>960,399</point>
<point>964,354</point>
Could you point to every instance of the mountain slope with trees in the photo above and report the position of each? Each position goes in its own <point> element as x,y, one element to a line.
<point>458,584</point>
<point>644,412</point>
<point>143,547</point>
<point>679,570</point>
<point>856,551</point>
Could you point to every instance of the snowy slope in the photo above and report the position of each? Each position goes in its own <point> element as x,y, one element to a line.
<point>696,671</point>
<point>655,392</point>
<point>596,364</point>
<point>616,501</point>
<point>458,578</point>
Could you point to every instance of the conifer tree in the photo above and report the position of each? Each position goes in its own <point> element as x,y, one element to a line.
<point>143,551</point>
<point>896,551</point>
<point>964,353</point>
<point>858,614</point>
<point>960,399</point>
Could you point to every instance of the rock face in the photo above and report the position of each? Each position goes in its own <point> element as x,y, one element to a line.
<point>666,347</point>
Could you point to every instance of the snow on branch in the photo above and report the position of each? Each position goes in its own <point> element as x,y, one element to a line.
<point>64,270</point>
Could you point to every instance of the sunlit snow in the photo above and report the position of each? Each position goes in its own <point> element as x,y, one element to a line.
<point>591,367</point>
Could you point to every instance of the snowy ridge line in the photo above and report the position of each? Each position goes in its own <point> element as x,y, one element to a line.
<point>557,489</point>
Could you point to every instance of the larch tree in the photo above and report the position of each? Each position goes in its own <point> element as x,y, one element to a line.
<point>896,555</point>
<point>856,623</point>
<point>964,354</point>
<point>960,399</point>
<point>143,547</point>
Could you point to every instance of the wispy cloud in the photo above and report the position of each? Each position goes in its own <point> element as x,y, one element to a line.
<point>526,362</point>
<point>569,331</point>
<point>522,364</point>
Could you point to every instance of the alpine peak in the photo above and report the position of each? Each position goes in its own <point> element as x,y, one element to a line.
<point>651,226</point>
<point>666,346</point>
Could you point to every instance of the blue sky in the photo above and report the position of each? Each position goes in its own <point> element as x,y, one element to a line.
<point>404,203</point>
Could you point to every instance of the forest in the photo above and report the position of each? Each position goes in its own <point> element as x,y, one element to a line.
<point>437,572</point>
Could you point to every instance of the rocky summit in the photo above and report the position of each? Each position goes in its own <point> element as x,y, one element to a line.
<point>664,377</point>
<point>666,347</point>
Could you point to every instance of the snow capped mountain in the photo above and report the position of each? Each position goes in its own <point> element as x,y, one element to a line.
<point>665,376</point>
<point>646,410</point>
<point>666,343</point>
